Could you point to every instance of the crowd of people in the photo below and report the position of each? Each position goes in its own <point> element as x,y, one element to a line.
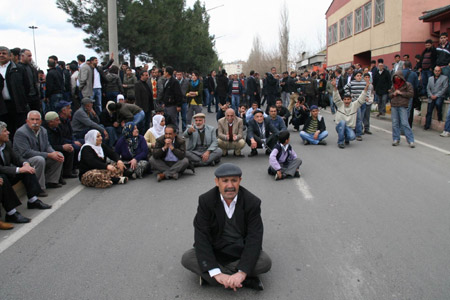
<point>106,125</point>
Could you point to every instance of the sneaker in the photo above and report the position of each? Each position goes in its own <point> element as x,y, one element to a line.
<point>445,134</point>
<point>342,146</point>
<point>322,142</point>
<point>359,138</point>
<point>412,145</point>
<point>395,143</point>
<point>347,142</point>
<point>123,180</point>
<point>305,142</point>
<point>368,132</point>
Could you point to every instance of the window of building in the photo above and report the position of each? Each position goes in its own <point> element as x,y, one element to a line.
<point>379,11</point>
<point>346,26</point>
<point>349,25</point>
<point>332,34</point>
<point>358,20</point>
<point>335,33</point>
<point>342,29</point>
<point>367,15</point>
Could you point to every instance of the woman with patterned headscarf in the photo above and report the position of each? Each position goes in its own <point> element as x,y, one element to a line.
<point>94,170</point>
<point>132,148</point>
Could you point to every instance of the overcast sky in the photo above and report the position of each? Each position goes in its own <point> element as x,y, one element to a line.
<point>234,24</point>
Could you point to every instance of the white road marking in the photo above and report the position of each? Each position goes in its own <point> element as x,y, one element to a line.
<point>304,189</point>
<point>17,234</point>
<point>415,141</point>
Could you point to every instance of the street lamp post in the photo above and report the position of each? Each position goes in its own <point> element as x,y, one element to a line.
<point>34,43</point>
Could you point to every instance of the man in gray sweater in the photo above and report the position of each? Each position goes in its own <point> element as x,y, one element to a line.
<point>31,143</point>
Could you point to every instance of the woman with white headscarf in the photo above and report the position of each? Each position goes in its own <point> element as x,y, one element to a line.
<point>159,125</point>
<point>94,169</point>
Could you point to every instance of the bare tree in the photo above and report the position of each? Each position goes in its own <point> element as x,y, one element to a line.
<point>261,59</point>
<point>284,37</point>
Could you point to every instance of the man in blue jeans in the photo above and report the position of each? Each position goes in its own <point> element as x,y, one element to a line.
<point>446,132</point>
<point>314,132</point>
<point>345,117</point>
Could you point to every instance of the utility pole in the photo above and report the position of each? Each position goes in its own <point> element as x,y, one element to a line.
<point>34,43</point>
<point>112,30</point>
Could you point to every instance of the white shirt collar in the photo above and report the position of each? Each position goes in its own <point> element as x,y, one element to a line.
<point>229,210</point>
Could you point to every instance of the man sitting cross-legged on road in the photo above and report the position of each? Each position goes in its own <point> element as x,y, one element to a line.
<point>169,156</point>
<point>230,133</point>
<point>228,235</point>
<point>202,148</point>
<point>346,114</point>
<point>314,132</point>
<point>12,170</point>
<point>283,160</point>
<point>261,134</point>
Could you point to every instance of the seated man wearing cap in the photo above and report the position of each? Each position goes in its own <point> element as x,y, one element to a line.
<point>12,170</point>
<point>314,132</point>
<point>31,143</point>
<point>261,133</point>
<point>64,110</point>
<point>230,133</point>
<point>228,235</point>
<point>345,117</point>
<point>57,141</point>
<point>169,156</point>
<point>85,119</point>
<point>202,148</point>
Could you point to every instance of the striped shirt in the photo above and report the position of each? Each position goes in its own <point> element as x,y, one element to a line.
<point>355,88</point>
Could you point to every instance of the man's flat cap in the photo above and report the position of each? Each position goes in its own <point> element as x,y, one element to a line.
<point>227,170</point>
<point>87,100</point>
<point>199,115</point>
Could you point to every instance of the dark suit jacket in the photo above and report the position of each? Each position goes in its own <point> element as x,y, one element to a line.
<point>11,162</point>
<point>144,98</point>
<point>253,128</point>
<point>179,148</point>
<point>209,225</point>
<point>172,93</point>
<point>251,86</point>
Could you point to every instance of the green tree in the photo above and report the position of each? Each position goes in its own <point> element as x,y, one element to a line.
<point>162,31</point>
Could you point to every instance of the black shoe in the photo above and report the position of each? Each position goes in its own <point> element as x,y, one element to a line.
<point>62,181</point>
<point>297,174</point>
<point>322,142</point>
<point>38,204</point>
<point>253,283</point>
<point>191,167</point>
<point>253,153</point>
<point>368,132</point>
<point>71,175</point>
<point>347,142</point>
<point>268,151</point>
<point>238,155</point>
<point>16,218</point>
<point>342,146</point>
<point>52,185</point>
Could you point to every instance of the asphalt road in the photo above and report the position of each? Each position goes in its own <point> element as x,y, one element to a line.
<point>371,221</point>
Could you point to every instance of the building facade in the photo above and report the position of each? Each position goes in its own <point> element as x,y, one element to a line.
<point>234,68</point>
<point>359,31</point>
